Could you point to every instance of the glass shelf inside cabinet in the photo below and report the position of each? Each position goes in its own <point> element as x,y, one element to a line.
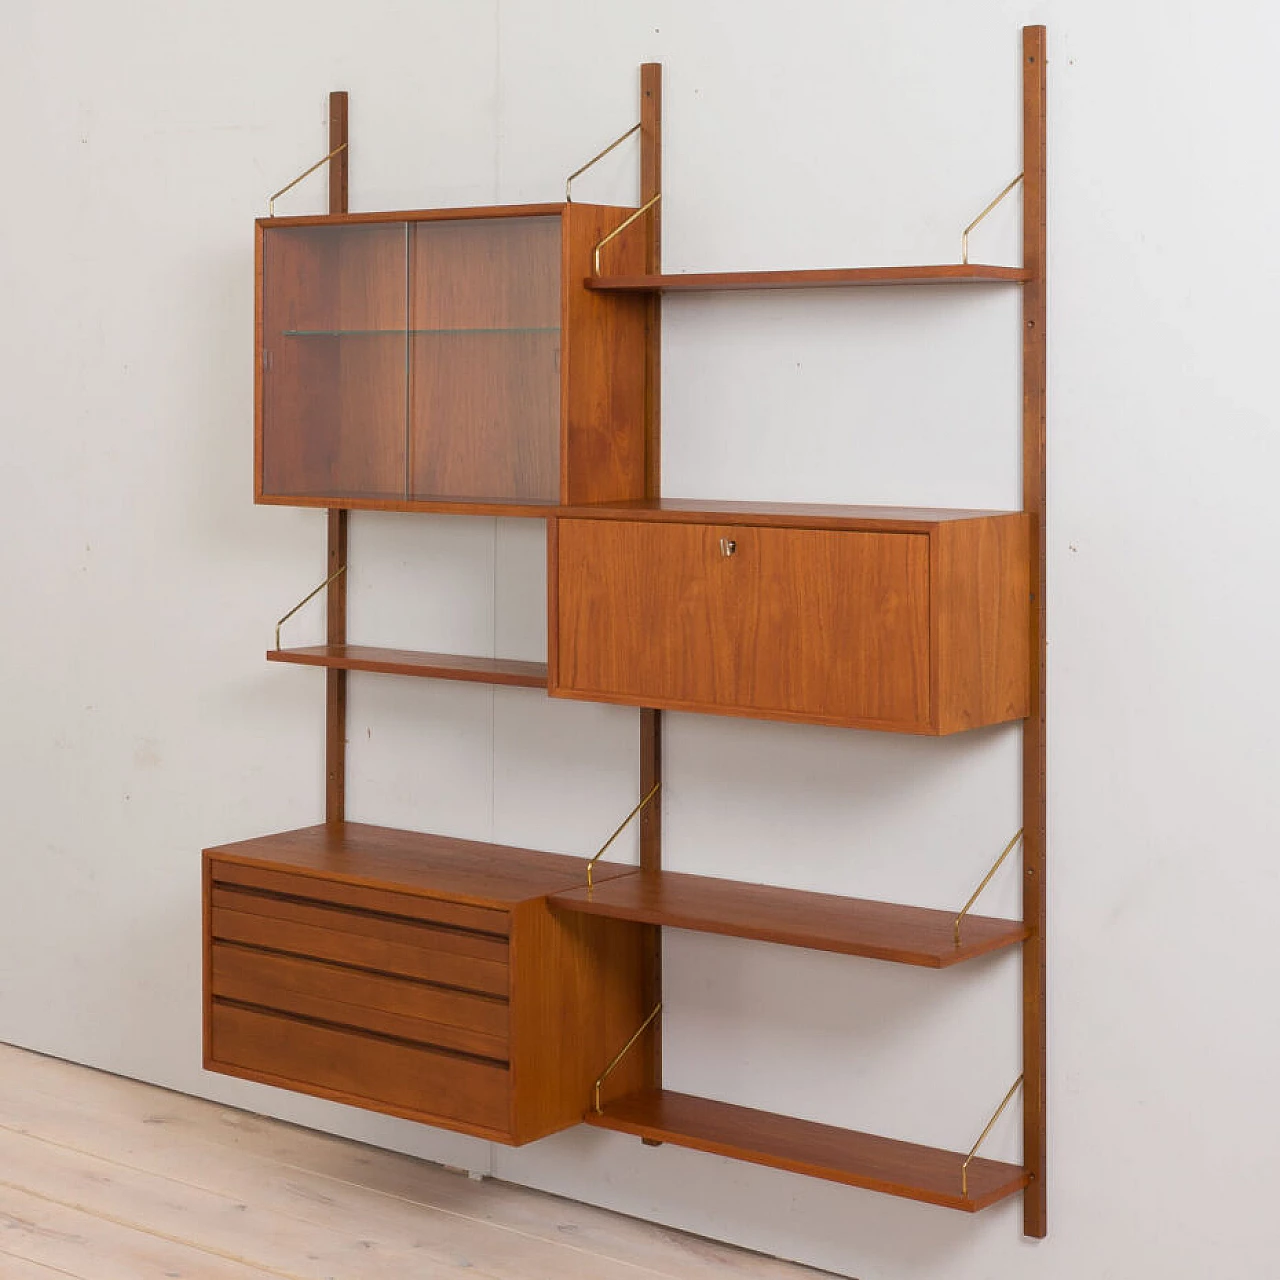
<point>400,333</point>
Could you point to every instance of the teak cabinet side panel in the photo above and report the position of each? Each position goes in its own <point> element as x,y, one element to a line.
<point>602,374</point>
<point>981,604</point>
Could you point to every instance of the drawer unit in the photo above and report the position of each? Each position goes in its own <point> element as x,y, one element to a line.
<point>416,975</point>
<point>909,625</point>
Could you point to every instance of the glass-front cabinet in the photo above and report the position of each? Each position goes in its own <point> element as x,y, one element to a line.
<point>445,360</point>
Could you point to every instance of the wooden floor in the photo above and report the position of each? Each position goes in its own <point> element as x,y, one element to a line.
<point>103,1178</point>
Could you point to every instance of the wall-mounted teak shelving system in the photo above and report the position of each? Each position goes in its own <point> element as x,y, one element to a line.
<point>506,361</point>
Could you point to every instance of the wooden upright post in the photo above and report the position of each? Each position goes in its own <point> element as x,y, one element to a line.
<point>651,720</point>
<point>1034,799</point>
<point>336,681</point>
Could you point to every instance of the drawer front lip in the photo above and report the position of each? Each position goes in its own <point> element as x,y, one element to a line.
<point>396,1007</point>
<point>360,923</point>
<point>379,1073</point>
<point>377,955</point>
<point>326,891</point>
<point>763,621</point>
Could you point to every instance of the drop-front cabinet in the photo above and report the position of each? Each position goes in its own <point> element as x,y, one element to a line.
<point>912,621</point>
<point>446,359</point>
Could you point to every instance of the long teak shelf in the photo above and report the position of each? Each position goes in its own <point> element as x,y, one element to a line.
<point>823,278</point>
<point>793,917</point>
<point>410,662</point>
<point>858,1159</point>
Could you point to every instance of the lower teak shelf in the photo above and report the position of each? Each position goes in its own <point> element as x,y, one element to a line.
<point>417,975</point>
<point>795,918</point>
<point>816,1150</point>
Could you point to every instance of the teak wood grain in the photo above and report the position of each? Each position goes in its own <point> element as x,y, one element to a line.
<point>399,959</point>
<point>280,880</point>
<point>411,662</point>
<point>400,972</point>
<point>911,631</point>
<point>816,1150</point>
<point>650,718</point>
<point>361,923</point>
<point>338,994</point>
<point>1034,764</point>
<point>792,917</point>
<point>378,1072</point>
<point>602,368</point>
<point>822,278</point>
<point>795,622</point>
<point>408,864</point>
<point>335,712</point>
<point>576,999</point>
<point>785,515</point>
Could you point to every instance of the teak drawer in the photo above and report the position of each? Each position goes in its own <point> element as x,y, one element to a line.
<point>353,1066</point>
<point>337,964</point>
<point>364,940</point>
<point>923,630</point>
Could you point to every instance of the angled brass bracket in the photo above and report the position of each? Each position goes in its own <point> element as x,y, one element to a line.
<point>982,1137</point>
<point>307,599</point>
<point>618,230</point>
<point>986,880</point>
<point>964,238</point>
<point>600,155</point>
<point>622,826</point>
<point>271,204</point>
<point>626,1048</point>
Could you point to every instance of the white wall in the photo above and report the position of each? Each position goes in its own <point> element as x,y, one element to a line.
<point>139,721</point>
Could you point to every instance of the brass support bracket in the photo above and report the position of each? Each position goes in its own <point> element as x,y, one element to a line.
<point>982,1137</point>
<point>271,204</point>
<point>626,1048</point>
<point>622,826</point>
<point>600,155</point>
<point>618,230</point>
<point>986,880</point>
<point>307,600</point>
<point>964,238</point>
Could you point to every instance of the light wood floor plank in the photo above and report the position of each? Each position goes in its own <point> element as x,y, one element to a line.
<point>13,1267</point>
<point>38,1230</point>
<point>408,1207</point>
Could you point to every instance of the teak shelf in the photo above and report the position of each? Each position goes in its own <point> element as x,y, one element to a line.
<point>505,361</point>
<point>821,278</point>
<point>816,1150</point>
<point>794,918</point>
<point>409,662</point>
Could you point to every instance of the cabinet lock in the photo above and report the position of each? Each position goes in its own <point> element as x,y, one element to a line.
<point>728,546</point>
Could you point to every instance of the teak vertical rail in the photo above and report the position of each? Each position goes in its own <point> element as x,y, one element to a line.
<point>335,755</point>
<point>650,719</point>
<point>1034,788</point>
